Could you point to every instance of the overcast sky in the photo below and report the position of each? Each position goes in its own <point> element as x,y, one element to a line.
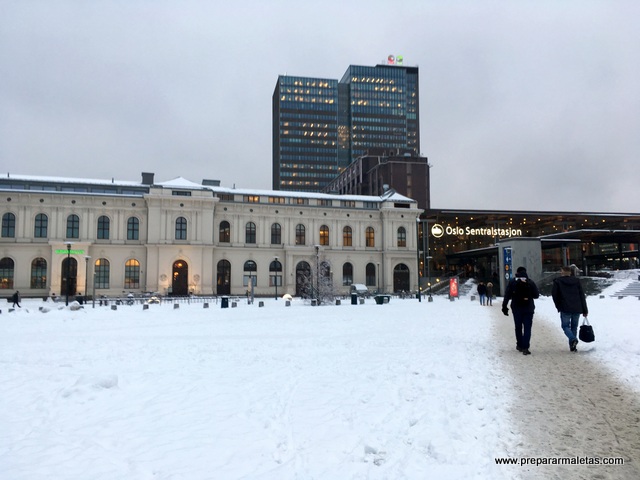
<point>524,105</point>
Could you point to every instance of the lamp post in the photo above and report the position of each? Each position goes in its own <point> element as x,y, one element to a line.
<point>429,278</point>
<point>378,277</point>
<point>418,256</point>
<point>275,279</point>
<point>317,247</point>
<point>68,273</point>
<point>86,277</point>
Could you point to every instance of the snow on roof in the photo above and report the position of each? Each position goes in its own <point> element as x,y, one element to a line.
<point>181,182</point>
<point>91,181</point>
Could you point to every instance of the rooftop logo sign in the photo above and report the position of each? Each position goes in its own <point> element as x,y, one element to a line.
<point>395,60</point>
<point>438,231</point>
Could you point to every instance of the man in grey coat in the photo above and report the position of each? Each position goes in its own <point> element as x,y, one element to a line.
<point>570,300</point>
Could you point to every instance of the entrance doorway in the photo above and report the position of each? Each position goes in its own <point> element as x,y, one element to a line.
<point>223,283</point>
<point>180,284</point>
<point>69,276</point>
<point>401,278</point>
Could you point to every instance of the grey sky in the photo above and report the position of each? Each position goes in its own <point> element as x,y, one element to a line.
<point>526,105</point>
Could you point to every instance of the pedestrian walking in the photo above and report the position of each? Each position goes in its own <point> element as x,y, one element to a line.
<point>570,300</point>
<point>482,292</point>
<point>521,291</point>
<point>489,293</point>
<point>16,299</point>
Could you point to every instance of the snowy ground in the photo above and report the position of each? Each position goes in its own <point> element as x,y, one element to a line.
<point>406,390</point>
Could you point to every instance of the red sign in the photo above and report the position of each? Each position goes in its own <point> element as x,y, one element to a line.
<point>453,287</point>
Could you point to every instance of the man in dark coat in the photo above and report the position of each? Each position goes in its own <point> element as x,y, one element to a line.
<point>522,307</point>
<point>16,299</point>
<point>570,300</point>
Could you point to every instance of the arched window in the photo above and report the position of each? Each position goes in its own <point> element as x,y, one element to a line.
<point>324,235</point>
<point>39,273</point>
<point>250,273</point>
<point>8,225</point>
<point>347,274</point>
<point>73,226</point>
<point>133,229</point>
<point>6,273</point>
<point>101,273</point>
<point>41,226</point>
<point>276,234</point>
<point>370,237</point>
<point>223,278</point>
<point>275,274</point>
<point>132,274</point>
<point>224,232</point>
<point>103,227</point>
<point>347,237</point>
<point>301,236</point>
<point>370,275</point>
<point>402,237</point>
<point>250,233</point>
<point>181,228</point>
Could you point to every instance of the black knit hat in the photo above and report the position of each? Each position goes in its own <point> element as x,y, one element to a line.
<point>521,270</point>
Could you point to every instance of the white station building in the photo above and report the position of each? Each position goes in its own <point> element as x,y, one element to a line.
<point>107,237</point>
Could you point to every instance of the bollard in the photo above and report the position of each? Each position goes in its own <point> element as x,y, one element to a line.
<point>176,306</point>
<point>205,305</point>
<point>601,296</point>
<point>287,303</point>
<point>260,304</point>
<point>145,306</point>
<point>314,302</point>
<point>234,304</point>
<point>361,301</point>
<point>337,302</point>
<point>473,297</point>
<point>114,307</point>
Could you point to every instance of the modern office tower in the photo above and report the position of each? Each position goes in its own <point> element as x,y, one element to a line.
<point>321,126</point>
<point>305,133</point>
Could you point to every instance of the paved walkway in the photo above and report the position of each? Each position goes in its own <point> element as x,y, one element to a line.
<point>567,405</point>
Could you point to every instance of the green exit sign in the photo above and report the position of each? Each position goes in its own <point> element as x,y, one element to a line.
<point>70,252</point>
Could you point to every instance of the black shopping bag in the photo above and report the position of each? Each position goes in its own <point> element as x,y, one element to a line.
<point>586,332</point>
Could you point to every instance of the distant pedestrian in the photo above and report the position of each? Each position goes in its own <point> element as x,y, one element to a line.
<point>521,291</point>
<point>570,300</point>
<point>489,293</point>
<point>482,292</point>
<point>16,299</point>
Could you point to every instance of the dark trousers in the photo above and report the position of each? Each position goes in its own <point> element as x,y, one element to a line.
<point>523,320</point>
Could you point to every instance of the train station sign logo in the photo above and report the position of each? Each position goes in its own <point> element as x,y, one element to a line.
<point>438,231</point>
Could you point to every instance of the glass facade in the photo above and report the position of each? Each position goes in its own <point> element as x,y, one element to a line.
<point>320,126</point>
<point>305,112</point>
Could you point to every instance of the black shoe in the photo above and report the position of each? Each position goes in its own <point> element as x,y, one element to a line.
<point>525,351</point>
<point>519,348</point>
<point>573,345</point>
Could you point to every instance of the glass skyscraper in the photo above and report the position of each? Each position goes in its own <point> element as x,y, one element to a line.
<point>320,126</point>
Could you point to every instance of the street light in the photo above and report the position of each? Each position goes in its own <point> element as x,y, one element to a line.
<point>317,247</point>
<point>276,264</point>
<point>418,256</point>
<point>68,273</point>
<point>429,278</point>
<point>86,277</point>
